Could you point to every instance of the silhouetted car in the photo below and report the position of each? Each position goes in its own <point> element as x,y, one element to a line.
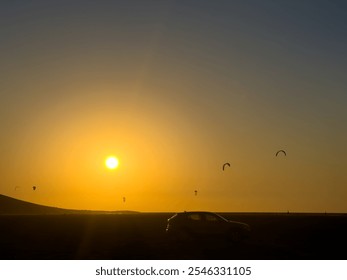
<point>188,225</point>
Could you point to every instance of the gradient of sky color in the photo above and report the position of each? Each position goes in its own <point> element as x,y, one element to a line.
<point>175,89</point>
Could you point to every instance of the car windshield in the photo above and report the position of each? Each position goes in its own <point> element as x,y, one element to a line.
<point>220,217</point>
<point>194,216</point>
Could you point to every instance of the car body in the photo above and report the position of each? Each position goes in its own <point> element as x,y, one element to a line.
<point>188,225</point>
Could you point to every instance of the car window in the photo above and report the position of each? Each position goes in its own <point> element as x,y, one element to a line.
<point>211,218</point>
<point>194,217</point>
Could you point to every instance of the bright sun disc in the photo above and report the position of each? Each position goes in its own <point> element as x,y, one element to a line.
<point>112,162</point>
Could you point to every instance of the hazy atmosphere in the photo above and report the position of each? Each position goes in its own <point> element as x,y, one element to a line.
<point>174,90</point>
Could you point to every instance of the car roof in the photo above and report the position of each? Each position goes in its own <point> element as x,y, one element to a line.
<point>196,212</point>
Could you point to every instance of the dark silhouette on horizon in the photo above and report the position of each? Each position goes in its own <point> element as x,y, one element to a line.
<point>35,232</point>
<point>13,206</point>
<point>194,225</point>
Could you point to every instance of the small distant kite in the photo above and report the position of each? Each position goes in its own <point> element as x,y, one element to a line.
<point>281,151</point>
<point>34,188</point>
<point>196,192</point>
<point>226,164</point>
<point>123,199</point>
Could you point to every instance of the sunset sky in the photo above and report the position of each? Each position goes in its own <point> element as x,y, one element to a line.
<point>174,89</point>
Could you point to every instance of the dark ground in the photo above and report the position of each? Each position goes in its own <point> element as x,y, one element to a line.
<point>142,236</point>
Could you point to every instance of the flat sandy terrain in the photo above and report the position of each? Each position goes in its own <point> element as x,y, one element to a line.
<point>142,236</point>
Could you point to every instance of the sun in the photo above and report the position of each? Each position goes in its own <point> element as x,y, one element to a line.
<point>111,162</point>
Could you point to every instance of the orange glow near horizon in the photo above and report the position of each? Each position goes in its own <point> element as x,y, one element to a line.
<point>164,166</point>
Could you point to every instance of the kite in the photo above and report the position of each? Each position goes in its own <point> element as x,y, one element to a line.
<point>281,151</point>
<point>226,164</point>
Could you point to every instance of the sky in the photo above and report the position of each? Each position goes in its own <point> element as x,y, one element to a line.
<point>175,89</point>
